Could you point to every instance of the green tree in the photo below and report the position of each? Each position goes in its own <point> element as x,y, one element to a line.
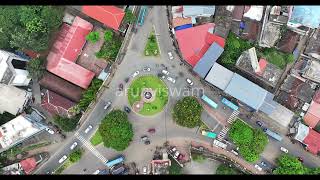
<point>226,170</point>
<point>75,156</point>
<point>108,36</point>
<point>36,68</point>
<point>89,95</point>
<point>175,168</point>
<point>67,124</point>
<point>187,112</point>
<point>288,164</point>
<point>289,58</point>
<point>93,36</point>
<point>129,17</point>
<point>116,131</point>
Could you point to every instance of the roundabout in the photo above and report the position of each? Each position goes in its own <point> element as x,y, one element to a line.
<point>147,95</point>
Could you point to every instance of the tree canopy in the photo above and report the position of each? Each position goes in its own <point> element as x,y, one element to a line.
<point>67,124</point>
<point>129,17</point>
<point>116,131</point>
<point>75,156</point>
<point>89,95</point>
<point>28,27</point>
<point>187,112</point>
<point>226,170</point>
<point>93,36</point>
<point>251,142</point>
<point>108,35</point>
<point>36,68</point>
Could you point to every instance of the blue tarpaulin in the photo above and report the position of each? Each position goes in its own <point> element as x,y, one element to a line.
<point>242,25</point>
<point>186,26</point>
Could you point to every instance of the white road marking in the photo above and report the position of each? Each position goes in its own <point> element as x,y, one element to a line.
<point>91,148</point>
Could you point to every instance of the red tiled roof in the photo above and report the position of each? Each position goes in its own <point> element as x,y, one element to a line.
<point>65,51</point>
<point>194,42</point>
<point>312,116</point>
<point>28,165</point>
<point>312,141</point>
<point>56,104</point>
<point>110,16</point>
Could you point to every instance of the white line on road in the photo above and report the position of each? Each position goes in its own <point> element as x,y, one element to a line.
<point>155,33</point>
<point>92,149</point>
<point>215,127</point>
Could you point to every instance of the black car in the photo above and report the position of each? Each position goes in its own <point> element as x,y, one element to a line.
<point>120,87</point>
<point>147,142</point>
<point>126,80</point>
<point>127,109</point>
<point>264,129</point>
<point>259,123</point>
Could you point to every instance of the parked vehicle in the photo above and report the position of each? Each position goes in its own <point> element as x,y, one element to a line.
<point>258,167</point>
<point>144,138</point>
<point>50,131</point>
<point>259,123</point>
<point>63,158</point>
<point>118,169</point>
<point>273,134</point>
<point>165,72</point>
<point>189,81</point>
<point>176,154</point>
<point>147,69</point>
<point>170,55</point>
<point>230,104</point>
<point>171,79</point>
<point>173,150</point>
<point>73,145</point>
<point>219,144</point>
<point>144,170</point>
<point>88,129</point>
<point>263,164</point>
<point>284,150</point>
<point>135,74</point>
<point>163,77</point>
<point>151,130</point>
<point>127,109</point>
<point>107,105</point>
<point>235,152</point>
<point>115,161</point>
<point>120,87</point>
<point>147,142</point>
<point>126,79</point>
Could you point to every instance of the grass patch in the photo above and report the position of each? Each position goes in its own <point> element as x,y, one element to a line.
<point>226,170</point>
<point>198,157</point>
<point>175,168</point>
<point>96,138</point>
<point>151,48</point>
<point>153,82</point>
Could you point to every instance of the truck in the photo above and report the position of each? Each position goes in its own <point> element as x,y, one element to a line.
<point>115,161</point>
<point>219,144</point>
<point>272,134</point>
<point>209,134</point>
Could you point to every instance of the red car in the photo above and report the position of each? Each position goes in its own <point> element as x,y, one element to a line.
<point>151,130</point>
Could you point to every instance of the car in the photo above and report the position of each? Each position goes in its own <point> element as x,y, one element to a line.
<point>144,170</point>
<point>176,154</point>
<point>173,150</point>
<point>73,145</point>
<point>144,138</point>
<point>120,87</point>
<point>126,79</point>
<point>170,55</point>
<point>63,158</point>
<point>63,136</point>
<point>264,129</point>
<point>258,167</point>
<point>107,105</point>
<point>151,130</point>
<point>259,123</point>
<point>49,130</point>
<point>263,164</point>
<point>189,81</point>
<point>96,172</point>
<point>135,74</point>
<point>300,159</point>
<point>171,79</point>
<point>284,150</point>
<point>163,77</point>
<point>147,69</point>
<point>88,129</point>
<point>165,72</point>
<point>127,109</point>
<point>147,142</point>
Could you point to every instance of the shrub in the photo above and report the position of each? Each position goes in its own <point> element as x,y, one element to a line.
<point>93,36</point>
<point>75,156</point>
<point>67,124</point>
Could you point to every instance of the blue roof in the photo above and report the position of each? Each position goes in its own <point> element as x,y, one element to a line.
<point>208,59</point>
<point>269,105</point>
<point>306,15</point>
<point>246,91</point>
<point>189,11</point>
<point>185,26</point>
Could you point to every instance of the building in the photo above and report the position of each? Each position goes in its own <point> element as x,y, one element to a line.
<point>110,16</point>
<point>61,87</point>
<point>251,29</point>
<point>237,13</point>
<point>303,18</point>
<point>56,104</point>
<point>179,21</point>
<point>13,69</point>
<point>313,47</point>
<point>61,60</point>
<point>18,130</point>
<point>13,100</point>
<point>309,137</point>
<point>219,76</point>
<point>270,34</point>
<point>195,11</point>
<point>312,71</point>
<point>312,117</point>
<point>223,21</point>
<point>253,12</point>
<point>288,42</point>
<point>279,14</point>
<point>208,59</point>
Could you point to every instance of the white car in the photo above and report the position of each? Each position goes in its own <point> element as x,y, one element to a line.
<point>88,129</point>
<point>165,72</point>
<point>96,172</point>
<point>144,170</point>
<point>73,145</point>
<point>284,150</point>
<point>171,79</point>
<point>258,167</point>
<point>107,105</point>
<point>176,154</point>
<point>62,159</point>
<point>135,74</point>
<point>170,55</point>
<point>147,69</point>
<point>163,77</point>
<point>49,130</point>
<point>189,81</point>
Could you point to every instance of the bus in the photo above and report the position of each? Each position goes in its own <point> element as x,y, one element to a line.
<point>272,134</point>
<point>209,134</point>
<point>142,13</point>
<point>115,161</point>
<point>209,101</point>
<point>229,104</point>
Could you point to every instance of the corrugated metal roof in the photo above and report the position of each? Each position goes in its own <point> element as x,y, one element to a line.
<point>305,15</point>
<point>302,132</point>
<point>208,59</point>
<point>246,91</point>
<point>268,105</point>
<point>219,76</point>
<point>312,116</point>
<point>189,11</point>
<point>181,21</point>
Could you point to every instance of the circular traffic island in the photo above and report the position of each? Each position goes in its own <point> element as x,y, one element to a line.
<point>148,95</point>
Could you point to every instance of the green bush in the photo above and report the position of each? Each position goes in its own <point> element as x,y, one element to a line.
<point>187,112</point>
<point>251,142</point>
<point>36,68</point>
<point>67,124</point>
<point>175,168</point>
<point>116,131</point>
<point>129,17</point>
<point>75,156</point>
<point>110,49</point>
<point>90,94</point>
<point>108,35</point>
<point>93,36</point>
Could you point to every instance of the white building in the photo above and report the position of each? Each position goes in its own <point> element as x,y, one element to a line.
<point>12,99</point>
<point>13,69</point>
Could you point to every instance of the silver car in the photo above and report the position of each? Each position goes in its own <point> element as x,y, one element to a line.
<point>170,55</point>
<point>88,129</point>
<point>189,81</point>
<point>62,159</point>
<point>135,74</point>
<point>165,72</point>
<point>171,79</point>
<point>73,145</point>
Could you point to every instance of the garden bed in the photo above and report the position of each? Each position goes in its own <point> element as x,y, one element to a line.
<point>152,48</point>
